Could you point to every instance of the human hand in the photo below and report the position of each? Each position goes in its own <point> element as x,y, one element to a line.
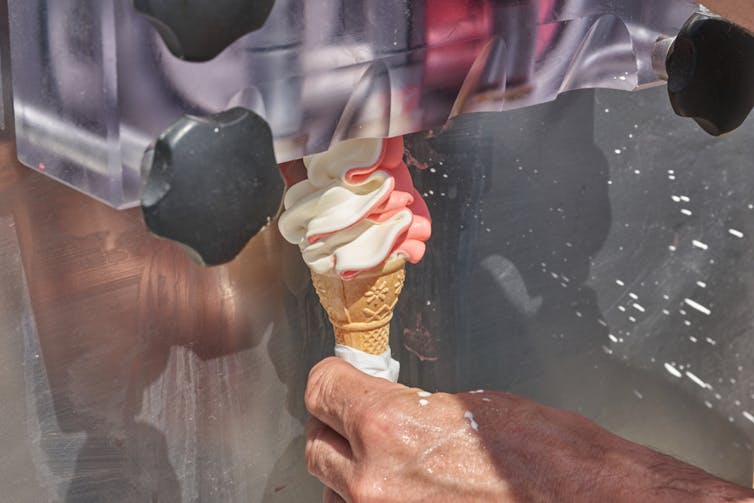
<point>371,440</point>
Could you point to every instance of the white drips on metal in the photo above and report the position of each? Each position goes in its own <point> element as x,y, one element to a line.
<point>673,371</point>
<point>702,309</point>
<point>736,233</point>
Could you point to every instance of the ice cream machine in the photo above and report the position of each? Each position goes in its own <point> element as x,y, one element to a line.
<point>186,108</point>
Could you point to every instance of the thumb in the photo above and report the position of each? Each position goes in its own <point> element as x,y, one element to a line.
<point>337,392</point>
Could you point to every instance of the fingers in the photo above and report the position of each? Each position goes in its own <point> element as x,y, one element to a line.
<point>330,496</point>
<point>337,393</point>
<point>328,455</point>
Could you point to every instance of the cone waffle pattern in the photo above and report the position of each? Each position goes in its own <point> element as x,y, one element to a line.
<point>360,309</point>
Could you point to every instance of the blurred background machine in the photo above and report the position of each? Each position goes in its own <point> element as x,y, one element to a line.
<point>598,246</point>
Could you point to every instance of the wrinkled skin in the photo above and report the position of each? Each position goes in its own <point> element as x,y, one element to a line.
<point>374,441</point>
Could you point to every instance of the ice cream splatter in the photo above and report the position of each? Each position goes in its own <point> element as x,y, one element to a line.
<point>470,417</point>
<point>476,392</point>
<point>736,233</point>
<point>485,399</point>
<point>697,380</point>
<point>697,306</point>
<point>424,394</point>
<point>673,371</point>
<point>423,402</point>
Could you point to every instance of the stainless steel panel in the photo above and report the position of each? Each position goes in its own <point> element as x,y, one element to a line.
<point>17,467</point>
<point>158,380</point>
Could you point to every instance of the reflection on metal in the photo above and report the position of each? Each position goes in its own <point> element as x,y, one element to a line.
<point>18,476</point>
<point>512,285</point>
<point>152,377</point>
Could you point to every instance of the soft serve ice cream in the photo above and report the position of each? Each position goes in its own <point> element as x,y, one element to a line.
<point>356,209</point>
<point>357,219</point>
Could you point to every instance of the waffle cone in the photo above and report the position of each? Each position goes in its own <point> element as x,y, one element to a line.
<point>360,309</point>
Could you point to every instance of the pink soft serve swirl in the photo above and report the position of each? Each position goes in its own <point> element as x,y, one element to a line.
<point>409,244</point>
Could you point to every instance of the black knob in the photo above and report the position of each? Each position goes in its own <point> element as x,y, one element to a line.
<point>199,30</point>
<point>212,183</point>
<point>710,69</point>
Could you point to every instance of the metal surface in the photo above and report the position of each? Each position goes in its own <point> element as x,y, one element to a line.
<point>567,239</point>
<point>148,378</point>
<point>94,84</point>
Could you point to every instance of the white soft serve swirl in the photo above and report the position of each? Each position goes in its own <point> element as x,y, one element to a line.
<point>326,204</point>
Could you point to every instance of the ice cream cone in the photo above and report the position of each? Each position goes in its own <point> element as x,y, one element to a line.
<point>361,308</point>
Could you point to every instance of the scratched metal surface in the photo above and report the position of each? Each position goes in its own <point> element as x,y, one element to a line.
<point>128,373</point>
